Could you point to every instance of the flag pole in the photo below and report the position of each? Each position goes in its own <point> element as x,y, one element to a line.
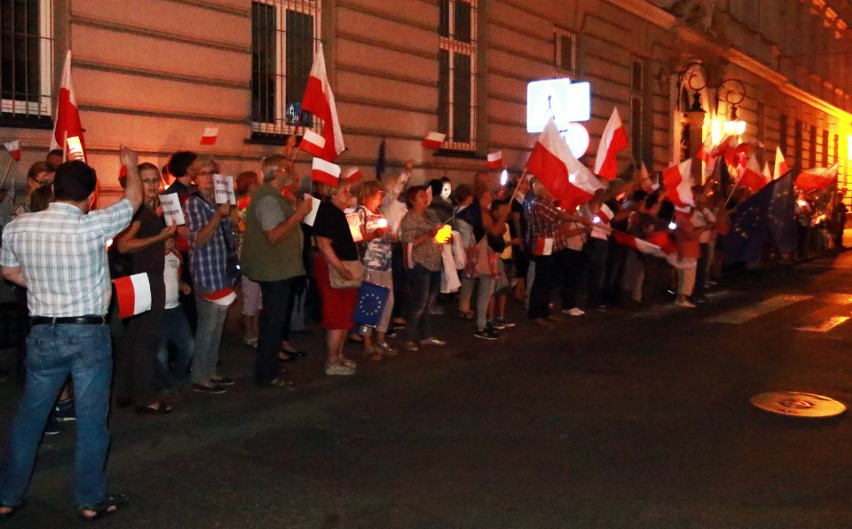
<point>517,186</point>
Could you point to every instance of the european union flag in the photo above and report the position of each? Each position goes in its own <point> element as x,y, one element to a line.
<point>768,215</point>
<point>371,302</point>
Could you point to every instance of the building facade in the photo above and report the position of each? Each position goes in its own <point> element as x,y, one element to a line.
<point>153,74</point>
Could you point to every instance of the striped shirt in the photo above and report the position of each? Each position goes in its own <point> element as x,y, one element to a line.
<point>208,263</point>
<point>63,256</point>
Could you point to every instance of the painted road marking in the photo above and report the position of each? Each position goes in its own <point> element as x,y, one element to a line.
<point>825,326</point>
<point>755,310</point>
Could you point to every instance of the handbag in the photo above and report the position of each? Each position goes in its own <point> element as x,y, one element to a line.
<point>354,267</point>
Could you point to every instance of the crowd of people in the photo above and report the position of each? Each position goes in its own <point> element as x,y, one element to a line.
<point>476,245</point>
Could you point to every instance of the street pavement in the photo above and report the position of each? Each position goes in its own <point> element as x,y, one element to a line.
<point>624,419</point>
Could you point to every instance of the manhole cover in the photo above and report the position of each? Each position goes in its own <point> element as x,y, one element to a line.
<point>798,404</point>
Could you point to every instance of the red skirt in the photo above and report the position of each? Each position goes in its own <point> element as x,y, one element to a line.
<point>338,304</point>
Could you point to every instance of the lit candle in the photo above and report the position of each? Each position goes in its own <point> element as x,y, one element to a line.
<point>504,177</point>
<point>382,223</point>
<point>444,234</point>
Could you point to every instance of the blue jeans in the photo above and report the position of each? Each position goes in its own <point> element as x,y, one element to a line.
<point>423,287</point>
<point>175,332</point>
<point>208,335</point>
<point>54,352</point>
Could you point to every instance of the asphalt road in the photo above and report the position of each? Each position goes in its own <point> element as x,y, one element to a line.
<point>619,420</point>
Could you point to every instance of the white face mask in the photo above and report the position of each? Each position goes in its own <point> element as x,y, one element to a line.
<point>446,191</point>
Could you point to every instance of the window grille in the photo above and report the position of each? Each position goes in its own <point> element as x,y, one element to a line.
<point>457,53</point>
<point>26,62</point>
<point>564,51</point>
<point>285,37</point>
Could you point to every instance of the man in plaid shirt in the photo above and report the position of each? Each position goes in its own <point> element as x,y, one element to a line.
<point>59,255</point>
<point>543,219</point>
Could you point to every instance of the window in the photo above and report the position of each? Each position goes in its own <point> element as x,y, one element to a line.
<point>457,73</point>
<point>812,139</point>
<point>825,161</point>
<point>782,134</point>
<point>285,34</point>
<point>26,53</point>
<point>636,85</point>
<point>798,133</point>
<point>565,50</point>
<point>836,157</point>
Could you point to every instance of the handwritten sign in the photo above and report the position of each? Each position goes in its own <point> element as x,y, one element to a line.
<point>223,187</point>
<point>355,226</point>
<point>172,212</point>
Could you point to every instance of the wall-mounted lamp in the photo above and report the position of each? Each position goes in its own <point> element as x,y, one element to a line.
<point>732,92</point>
<point>694,76</point>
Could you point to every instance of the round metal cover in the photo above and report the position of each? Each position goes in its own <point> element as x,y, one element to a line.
<point>798,404</point>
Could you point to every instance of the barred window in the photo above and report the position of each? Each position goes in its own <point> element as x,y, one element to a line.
<point>26,54</point>
<point>564,51</point>
<point>285,36</point>
<point>637,83</point>
<point>457,73</point>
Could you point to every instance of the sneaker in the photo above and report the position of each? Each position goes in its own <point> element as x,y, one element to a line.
<point>410,346</point>
<point>222,381</point>
<point>495,324</point>
<point>574,312</point>
<point>215,389</point>
<point>348,362</point>
<point>53,427</point>
<point>338,369</point>
<point>432,341</point>
<point>685,304</point>
<point>486,334</point>
<point>505,323</point>
<point>64,411</point>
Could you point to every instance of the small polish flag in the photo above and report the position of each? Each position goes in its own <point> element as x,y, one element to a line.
<point>14,148</point>
<point>433,140</point>
<point>495,160</point>
<point>613,140</point>
<point>353,174</point>
<point>605,214</point>
<point>312,143</point>
<point>678,184</point>
<point>781,166</point>
<point>325,172</point>
<point>543,247</point>
<point>133,294</point>
<point>751,176</point>
<point>209,136</point>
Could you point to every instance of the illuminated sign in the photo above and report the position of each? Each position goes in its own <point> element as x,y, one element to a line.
<point>564,100</point>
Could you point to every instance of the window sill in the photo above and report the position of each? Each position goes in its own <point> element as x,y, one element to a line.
<point>25,122</point>
<point>453,153</point>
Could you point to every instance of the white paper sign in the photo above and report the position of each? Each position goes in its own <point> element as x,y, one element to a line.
<point>172,212</point>
<point>310,217</point>
<point>355,226</point>
<point>223,187</point>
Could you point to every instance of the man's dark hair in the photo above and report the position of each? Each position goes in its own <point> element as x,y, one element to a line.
<point>436,186</point>
<point>74,181</point>
<point>180,162</point>
<point>56,152</point>
<point>463,192</point>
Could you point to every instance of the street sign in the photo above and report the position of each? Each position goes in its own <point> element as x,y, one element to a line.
<point>564,100</point>
<point>798,404</point>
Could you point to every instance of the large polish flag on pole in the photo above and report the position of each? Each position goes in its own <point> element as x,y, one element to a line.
<point>564,176</point>
<point>67,128</point>
<point>614,139</point>
<point>319,100</point>
<point>676,181</point>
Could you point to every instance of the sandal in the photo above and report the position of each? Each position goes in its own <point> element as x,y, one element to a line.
<point>384,349</point>
<point>278,382</point>
<point>157,408</point>
<point>109,505</point>
<point>469,315</point>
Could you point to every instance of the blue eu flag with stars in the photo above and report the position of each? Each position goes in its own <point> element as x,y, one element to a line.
<point>371,302</point>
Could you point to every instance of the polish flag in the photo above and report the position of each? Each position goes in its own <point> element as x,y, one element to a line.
<point>705,152</point>
<point>781,166</point>
<point>67,128</point>
<point>570,182</point>
<point>645,180</point>
<point>353,174</point>
<point>647,247</point>
<point>727,149</point>
<point>325,172</point>
<point>605,214</point>
<point>14,148</point>
<point>767,172</point>
<point>817,178</point>
<point>319,100</point>
<point>133,294</point>
<point>433,140</point>
<point>209,136</point>
<point>614,139</point>
<point>750,176</point>
<point>495,160</point>
<point>676,181</point>
<point>312,143</point>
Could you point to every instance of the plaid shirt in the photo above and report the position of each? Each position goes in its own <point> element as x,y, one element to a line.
<point>208,263</point>
<point>63,256</point>
<point>542,217</point>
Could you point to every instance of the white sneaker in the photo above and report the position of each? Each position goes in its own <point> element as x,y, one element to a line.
<point>338,369</point>
<point>685,304</point>
<point>432,341</point>
<point>574,312</point>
